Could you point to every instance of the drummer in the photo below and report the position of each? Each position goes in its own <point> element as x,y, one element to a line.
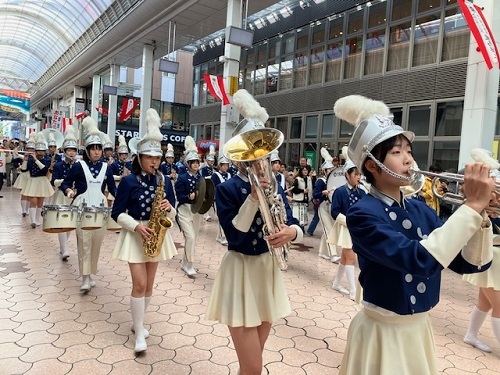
<point>185,189</point>
<point>60,171</point>
<point>38,186</point>
<point>85,184</point>
<point>320,194</point>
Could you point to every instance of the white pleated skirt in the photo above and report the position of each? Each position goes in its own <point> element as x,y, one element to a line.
<point>129,247</point>
<point>489,278</point>
<point>248,291</point>
<point>340,236</point>
<point>60,199</point>
<point>21,180</point>
<point>39,187</point>
<point>389,345</point>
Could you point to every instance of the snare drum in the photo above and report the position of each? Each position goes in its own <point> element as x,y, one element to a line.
<point>92,218</point>
<point>299,211</point>
<point>59,218</point>
<point>111,224</point>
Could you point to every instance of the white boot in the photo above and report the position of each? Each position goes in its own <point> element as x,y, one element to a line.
<point>137,310</point>
<point>38,216</point>
<point>477,318</point>
<point>63,239</point>
<point>85,287</point>
<point>338,279</point>
<point>33,216</point>
<point>349,271</point>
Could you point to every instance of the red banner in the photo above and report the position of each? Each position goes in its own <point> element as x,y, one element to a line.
<point>215,85</point>
<point>204,145</point>
<point>481,32</point>
<point>102,111</point>
<point>65,122</point>
<point>128,107</point>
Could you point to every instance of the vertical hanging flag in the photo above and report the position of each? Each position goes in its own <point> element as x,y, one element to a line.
<point>65,122</point>
<point>215,85</point>
<point>128,107</point>
<point>481,31</point>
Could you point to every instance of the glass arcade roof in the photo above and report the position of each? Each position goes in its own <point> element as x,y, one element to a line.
<point>35,33</point>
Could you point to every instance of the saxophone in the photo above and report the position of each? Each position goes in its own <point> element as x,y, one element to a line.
<point>158,222</point>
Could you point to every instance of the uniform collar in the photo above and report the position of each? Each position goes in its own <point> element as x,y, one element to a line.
<point>242,176</point>
<point>385,198</point>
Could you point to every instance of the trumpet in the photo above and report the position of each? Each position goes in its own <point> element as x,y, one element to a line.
<point>418,179</point>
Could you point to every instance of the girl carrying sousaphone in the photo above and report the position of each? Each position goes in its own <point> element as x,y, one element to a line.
<point>133,209</point>
<point>85,184</point>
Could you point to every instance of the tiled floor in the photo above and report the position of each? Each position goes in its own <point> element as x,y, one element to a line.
<point>48,327</point>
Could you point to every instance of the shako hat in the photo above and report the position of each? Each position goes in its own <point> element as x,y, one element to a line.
<point>150,144</point>
<point>70,138</point>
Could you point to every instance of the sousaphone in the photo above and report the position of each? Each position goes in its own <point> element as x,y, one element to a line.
<point>204,196</point>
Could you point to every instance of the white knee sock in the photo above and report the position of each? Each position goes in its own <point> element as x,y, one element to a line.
<point>24,206</point>
<point>137,308</point>
<point>147,300</point>
<point>477,318</point>
<point>349,271</point>
<point>495,325</point>
<point>39,215</point>
<point>340,274</point>
<point>33,215</point>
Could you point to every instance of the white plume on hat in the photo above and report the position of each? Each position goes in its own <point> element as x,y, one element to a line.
<point>31,140</point>
<point>356,108</point>
<point>122,145</point>
<point>40,142</point>
<point>106,141</point>
<point>486,157</point>
<point>328,163</point>
<point>249,108</point>
<point>70,138</point>
<point>52,140</point>
<point>93,135</point>
<point>191,151</point>
<point>348,163</point>
<point>150,144</point>
<point>211,152</point>
<point>170,151</point>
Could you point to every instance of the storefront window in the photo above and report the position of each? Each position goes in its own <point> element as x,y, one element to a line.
<point>327,129</point>
<point>377,16</point>
<point>399,46</point>
<point>293,154</point>
<point>374,54</point>
<point>296,128</point>
<point>426,40</point>
<point>302,38</point>
<point>318,34</point>
<point>346,129</point>
<point>282,125</point>
<point>285,81</point>
<point>353,50</point>
<point>449,118</point>
<point>334,61</point>
<point>272,75</point>
<point>289,42</point>
<point>425,5</point>
<point>300,69</point>
<point>311,127</point>
<point>401,9</point>
<point>316,70</point>
<point>260,80</point>
<point>420,150</point>
<point>446,154</point>
<point>419,119</point>
<point>355,22</point>
<point>456,36</point>
<point>249,77</point>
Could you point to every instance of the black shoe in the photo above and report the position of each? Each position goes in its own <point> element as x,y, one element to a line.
<point>1,196</point>
<point>311,234</point>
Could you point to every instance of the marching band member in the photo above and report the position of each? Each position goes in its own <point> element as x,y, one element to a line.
<point>59,173</point>
<point>185,188</point>
<point>402,246</point>
<point>320,193</point>
<point>132,209</point>
<point>208,171</point>
<point>343,198</point>
<point>276,167</point>
<point>121,167</point>
<point>85,184</point>
<point>38,186</point>
<point>107,157</point>
<point>22,179</point>
<point>52,154</point>
<point>218,177</point>
<point>249,293</point>
<point>169,168</point>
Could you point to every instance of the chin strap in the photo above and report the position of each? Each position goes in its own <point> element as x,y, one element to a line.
<point>387,170</point>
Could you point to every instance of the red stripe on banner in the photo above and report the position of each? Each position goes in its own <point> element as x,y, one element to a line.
<point>474,17</point>
<point>489,32</point>
<point>225,99</point>
<point>216,88</point>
